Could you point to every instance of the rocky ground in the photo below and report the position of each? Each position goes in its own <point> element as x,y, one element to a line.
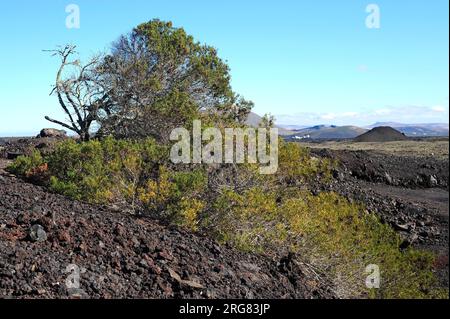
<point>10,148</point>
<point>408,192</point>
<point>124,256</point>
<point>45,239</point>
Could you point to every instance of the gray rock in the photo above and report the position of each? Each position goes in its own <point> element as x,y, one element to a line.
<point>210,294</point>
<point>51,132</point>
<point>388,178</point>
<point>37,233</point>
<point>77,293</point>
<point>338,175</point>
<point>405,227</point>
<point>190,283</point>
<point>250,266</point>
<point>13,155</point>
<point>432,181</point>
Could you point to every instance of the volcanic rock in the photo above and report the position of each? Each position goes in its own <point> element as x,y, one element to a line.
<point>37,233</point>
<point>381,134</point>
<point>51,132</point>
<point>125,256</point>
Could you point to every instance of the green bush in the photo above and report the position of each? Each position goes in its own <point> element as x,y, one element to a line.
<point>335,238</point>
<point>107,171</point>
<point>24,165</point>
<point>176,196</point>
<point>270,214</point>
<point>297,166</point>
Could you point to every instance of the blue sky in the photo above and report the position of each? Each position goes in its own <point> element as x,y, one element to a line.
<point>306,62</point>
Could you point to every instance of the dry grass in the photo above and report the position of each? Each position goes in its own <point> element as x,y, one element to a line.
<point>424,148</point>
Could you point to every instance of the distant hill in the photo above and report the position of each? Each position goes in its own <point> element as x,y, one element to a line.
<point>298,132</point>
<point>254,119</point>
<point>381,134</point>
<point>417,130</point>
<point>328,132</point>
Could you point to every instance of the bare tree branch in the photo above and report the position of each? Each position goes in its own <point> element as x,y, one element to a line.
<point>79,94</point>
<point>62,124</point>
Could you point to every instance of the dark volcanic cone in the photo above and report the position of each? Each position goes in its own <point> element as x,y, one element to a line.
<point>381,134</point>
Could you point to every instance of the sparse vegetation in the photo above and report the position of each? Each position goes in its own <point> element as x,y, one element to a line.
<point>272,214</point>
<point>26,165</point>
<point>157,78</point>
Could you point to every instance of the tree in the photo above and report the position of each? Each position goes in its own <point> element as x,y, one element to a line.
<point>267,121</point>
<point>159,78</point>
<point>79,92</point>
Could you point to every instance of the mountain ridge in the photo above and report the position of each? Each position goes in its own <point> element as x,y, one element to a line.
<point>328,131</point>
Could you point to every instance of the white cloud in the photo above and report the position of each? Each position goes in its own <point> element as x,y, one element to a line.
<point>333,116</point>
<point>350,114</point>
<point>328,116</point>
<point>411,114</point>
<point>382,112</point>
<point>438,108</point>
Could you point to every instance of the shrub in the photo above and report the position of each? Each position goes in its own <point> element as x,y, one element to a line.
<point>247,220</point>
<point>107,171</point>
<point>335,238</point>
<point>296,165</point>
<point>341,239</point>
<point>270,214</point>
<point>175,196</point>
<point>24,165</point>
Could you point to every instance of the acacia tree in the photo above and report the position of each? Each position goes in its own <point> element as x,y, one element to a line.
<point>79,91</point>
<point>158,78</point>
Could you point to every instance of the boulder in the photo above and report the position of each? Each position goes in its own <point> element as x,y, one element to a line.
<point>52,132</point>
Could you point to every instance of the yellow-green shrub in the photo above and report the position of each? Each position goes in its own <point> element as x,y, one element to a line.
<point>296,165</point>
<point>96,171</point>
<point>23,165</point>
<point>175,196</point>
<point>247,220</point>
<point>270,214</point>
<point>188,211</point>
<point>334,237</point>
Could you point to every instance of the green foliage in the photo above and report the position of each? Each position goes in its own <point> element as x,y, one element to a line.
<point>175,196</point>
<point>247,220</point>
<point>296,166</point>
<point>343,238</point>
<point>337,239</point>
<point>175,78</point>
<point>23,165</point>
<point>267,121</point>
<point>268,214</point>
<point>102,171</point>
